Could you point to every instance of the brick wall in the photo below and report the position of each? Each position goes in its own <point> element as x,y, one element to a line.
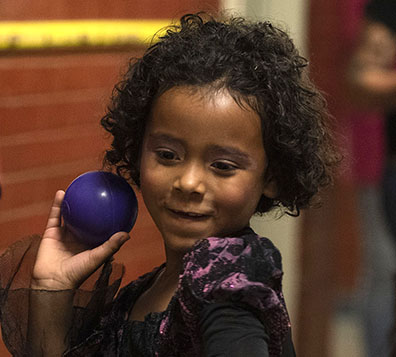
<point>50,107</point>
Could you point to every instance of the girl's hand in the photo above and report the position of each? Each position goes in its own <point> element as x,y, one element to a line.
<point>64,263</point>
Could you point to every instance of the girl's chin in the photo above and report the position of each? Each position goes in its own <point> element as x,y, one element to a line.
<point>182,244</point>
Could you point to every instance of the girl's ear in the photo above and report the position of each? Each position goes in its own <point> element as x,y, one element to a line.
<point>270,188</point>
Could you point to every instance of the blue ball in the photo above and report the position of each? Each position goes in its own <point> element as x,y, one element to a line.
<point>98,204</point>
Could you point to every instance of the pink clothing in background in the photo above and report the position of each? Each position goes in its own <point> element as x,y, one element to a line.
<point>368,148</point>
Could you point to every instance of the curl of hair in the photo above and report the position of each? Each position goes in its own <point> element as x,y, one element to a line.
<point>259,65</point>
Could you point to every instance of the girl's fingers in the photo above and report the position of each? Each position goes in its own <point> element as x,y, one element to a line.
<point>54,218</point>
<point>78,261</point>
<point>99,255</point>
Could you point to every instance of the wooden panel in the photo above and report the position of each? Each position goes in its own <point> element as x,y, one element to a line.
<point>50,107</point>
<point>44,75</point>
<point>38,154</point>
<point>76,9</point>
<point>31,118</point>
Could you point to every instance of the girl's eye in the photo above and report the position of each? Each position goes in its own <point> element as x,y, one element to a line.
<point>224,167</point>
<point>166,155</point>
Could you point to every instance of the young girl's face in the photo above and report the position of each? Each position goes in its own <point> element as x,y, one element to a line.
<point>202,166</point>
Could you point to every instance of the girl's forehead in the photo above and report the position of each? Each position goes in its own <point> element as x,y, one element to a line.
<point>208,97</point>
<point>187,101</point>
<point>211,92</point>
<point>202,119</point>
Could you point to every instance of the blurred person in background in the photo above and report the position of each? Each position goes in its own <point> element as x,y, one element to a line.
<point>372,83</point>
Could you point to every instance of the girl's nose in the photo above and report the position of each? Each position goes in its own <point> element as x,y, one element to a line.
<point>190,180</point>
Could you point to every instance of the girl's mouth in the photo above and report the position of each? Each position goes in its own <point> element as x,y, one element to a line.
<point>189,215</point>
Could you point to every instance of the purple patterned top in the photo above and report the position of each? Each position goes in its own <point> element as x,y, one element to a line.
<point>244,269</point>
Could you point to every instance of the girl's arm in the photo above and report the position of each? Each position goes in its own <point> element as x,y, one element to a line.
<point>50,317</point>
<point>62,264</point>
<point>231,330</point>
<point>230,291</point>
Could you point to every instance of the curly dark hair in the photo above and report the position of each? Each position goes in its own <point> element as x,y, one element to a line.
<point>258,65</point>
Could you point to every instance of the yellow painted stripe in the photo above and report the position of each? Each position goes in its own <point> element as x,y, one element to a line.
<point>52,34</point>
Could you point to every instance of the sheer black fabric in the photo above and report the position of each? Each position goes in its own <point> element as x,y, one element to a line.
<point>90,301</point>
<point>244,271</point>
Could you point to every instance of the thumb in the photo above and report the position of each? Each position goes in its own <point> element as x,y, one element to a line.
<point>99,255</point>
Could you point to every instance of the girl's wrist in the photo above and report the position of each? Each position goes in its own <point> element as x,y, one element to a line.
<point>48,284</point>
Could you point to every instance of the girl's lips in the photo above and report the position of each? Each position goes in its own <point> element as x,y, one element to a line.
<point>188,215</point>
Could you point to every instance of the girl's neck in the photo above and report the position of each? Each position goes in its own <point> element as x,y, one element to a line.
<point>158,296</point>
<point>171,272</point>
<point>173,267</point>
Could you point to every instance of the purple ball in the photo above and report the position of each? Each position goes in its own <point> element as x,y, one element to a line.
<point>98,204</point>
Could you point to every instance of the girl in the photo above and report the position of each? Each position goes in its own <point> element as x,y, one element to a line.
<point>216,122</point>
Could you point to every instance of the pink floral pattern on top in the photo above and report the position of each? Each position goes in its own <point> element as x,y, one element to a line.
<point>245,270</point>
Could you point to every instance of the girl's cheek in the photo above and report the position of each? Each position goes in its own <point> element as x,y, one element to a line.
<point>152,177</point>
<point>240,196</point>
<point>232,195</point>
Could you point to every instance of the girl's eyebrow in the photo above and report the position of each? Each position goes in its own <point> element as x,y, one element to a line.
<point>231,151</point>
<point>165,137</point>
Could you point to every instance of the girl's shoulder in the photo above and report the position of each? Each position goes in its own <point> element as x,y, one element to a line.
<point>245,270</point>
<point>246,257</point>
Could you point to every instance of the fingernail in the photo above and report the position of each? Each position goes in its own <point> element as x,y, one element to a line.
<point>124,238</point>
